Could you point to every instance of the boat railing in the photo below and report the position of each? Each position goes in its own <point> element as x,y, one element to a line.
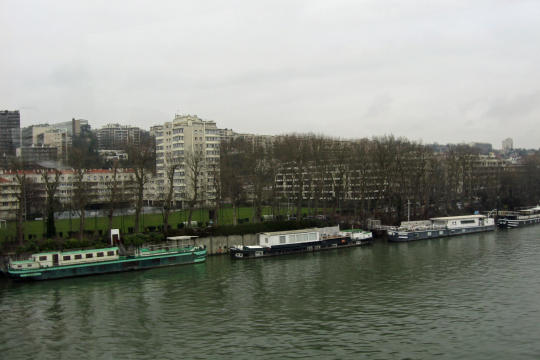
<point>422,228</point>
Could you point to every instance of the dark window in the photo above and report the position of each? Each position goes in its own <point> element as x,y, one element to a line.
<point>110,253</point>
<point>467,221</point>
<point>42,258</point>
<point>78,257</point>
<point>29,265</point>
<point>89,256</point>
<point>66,257</point>
<point>99,254</point>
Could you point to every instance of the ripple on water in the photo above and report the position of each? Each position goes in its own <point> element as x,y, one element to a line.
<point>474,296</point>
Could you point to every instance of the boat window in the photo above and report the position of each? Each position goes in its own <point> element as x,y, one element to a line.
<point>266,240</point>
<point>78,257</point>
<point>313,236</point>
<point>42,258</point>
<point>110,253</point>
<point>19,266</point>
<point>467,221</point>
<point>116,252</point>
<point>99,254</point>
<point>66,257</point>
<point>29,265</point>
<point>302,237</point>
<point>282,239</point>
<point>88,256</point>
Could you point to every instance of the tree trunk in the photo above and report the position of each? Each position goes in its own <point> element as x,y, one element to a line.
<point>81,225</point>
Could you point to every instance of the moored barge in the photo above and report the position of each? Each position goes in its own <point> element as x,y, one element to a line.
<point>300,241</point>
<point>519,218</point>
<point>441,227</point>
<point>63,264</point>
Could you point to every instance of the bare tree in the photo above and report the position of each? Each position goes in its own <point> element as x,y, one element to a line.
<point>51,179</point>
<point>142,158</point>
<point>231,179</point>
<point>80,197</point>
<point>216,185</point>
<point>194,161</point>
<point>113,195</point>
<point>171,166</point>
<point>23,184</point>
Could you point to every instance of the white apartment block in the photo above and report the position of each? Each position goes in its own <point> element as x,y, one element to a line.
<point>176,141</point>
<point>507,145</point>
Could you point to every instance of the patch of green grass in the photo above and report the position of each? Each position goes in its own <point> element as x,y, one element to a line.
<point>37,228</point>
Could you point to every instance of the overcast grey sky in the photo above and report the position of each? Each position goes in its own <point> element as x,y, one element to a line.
<point>430,70</point>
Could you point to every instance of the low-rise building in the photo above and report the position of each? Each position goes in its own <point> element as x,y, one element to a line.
<point>98,182</point>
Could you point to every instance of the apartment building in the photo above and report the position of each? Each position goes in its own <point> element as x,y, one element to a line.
<point>116,136</point>
<point>184,141</point>
<point>45,135</point>
<point>98,182</point>
<point>10,123</point>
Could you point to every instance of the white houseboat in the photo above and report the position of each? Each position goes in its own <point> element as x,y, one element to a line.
<point>298,241</point>
<point>441,227</point>
<point>514,219</point>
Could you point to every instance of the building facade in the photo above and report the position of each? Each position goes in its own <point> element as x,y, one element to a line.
<point>191,144</point>
<point>507,145</point>
<point>116,136</point>
<point>46,135</point>
<point>10,124</point>
<point>98,182</point>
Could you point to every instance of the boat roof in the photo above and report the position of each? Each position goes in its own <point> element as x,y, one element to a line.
<point>536,208</point>
<point>300,231</point>
<point>459,217</point>
<point>181,237</point>
<point>75,251</point>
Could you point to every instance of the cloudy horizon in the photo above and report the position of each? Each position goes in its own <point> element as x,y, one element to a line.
<point>444,71</point>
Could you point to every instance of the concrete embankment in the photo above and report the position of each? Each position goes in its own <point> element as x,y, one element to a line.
<point>217,245</point>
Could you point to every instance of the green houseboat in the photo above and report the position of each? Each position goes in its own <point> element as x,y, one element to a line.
<point>57,264</point>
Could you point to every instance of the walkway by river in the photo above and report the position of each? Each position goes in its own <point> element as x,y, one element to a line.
<point>474,297</point>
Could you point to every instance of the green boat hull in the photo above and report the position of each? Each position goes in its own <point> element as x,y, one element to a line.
<point>106,267</point>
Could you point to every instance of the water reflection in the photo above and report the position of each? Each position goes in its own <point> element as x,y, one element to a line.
<point>473,296</point>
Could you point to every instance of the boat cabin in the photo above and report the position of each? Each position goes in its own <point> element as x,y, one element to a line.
<point>268,239</point>
<point>58,258</point>
<point>454,222</point>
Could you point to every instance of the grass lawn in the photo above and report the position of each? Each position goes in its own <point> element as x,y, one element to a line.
<point>37,228</point>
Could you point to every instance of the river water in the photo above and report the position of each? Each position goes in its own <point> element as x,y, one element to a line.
<point>474,297</point>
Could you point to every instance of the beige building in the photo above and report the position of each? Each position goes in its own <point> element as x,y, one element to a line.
<point>186,140</point>
<point>47,136</point>
<point>98,182</point>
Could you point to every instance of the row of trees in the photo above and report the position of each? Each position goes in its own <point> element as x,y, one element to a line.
<point>384,177</point>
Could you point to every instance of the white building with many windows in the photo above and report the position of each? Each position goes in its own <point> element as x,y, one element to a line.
<point>193,145</point>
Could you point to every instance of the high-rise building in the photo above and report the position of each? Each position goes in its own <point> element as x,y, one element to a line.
<point>46,135</point>
<point>507,144</point>
<point>185,141</point>
<point>10,124</point>
<point>75,127</point>
<point>116,136</point>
